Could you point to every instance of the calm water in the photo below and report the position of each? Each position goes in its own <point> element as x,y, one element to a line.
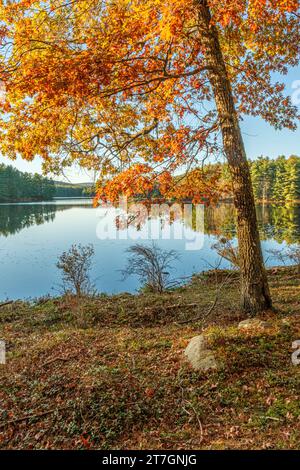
<point>33,235</point>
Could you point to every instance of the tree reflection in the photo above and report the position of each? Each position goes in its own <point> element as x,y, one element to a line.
<point>15,217</point>
<point>278,222</point>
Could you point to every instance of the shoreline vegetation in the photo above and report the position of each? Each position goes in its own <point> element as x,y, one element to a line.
<point>68,359</point>
<point>221,201</point>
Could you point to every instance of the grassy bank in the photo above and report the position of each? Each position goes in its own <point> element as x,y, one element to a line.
<point>109,372</point>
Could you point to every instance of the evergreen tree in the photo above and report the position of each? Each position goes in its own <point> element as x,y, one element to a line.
<point>18,186</point>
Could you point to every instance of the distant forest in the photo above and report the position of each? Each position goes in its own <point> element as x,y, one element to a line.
<point>273,180</point>
<point>17,186</point>
<point>73,190</point>
<point>276,180</point>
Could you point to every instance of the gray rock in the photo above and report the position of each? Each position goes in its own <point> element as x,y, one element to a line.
<point>198,354</point>
<point>254,323</point>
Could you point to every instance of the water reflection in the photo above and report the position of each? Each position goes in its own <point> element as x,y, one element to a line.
<point>280,223</point>
<point>32,236</point>
<point>16,217</point>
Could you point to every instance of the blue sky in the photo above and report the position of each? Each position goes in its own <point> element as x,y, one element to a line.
<point>259,137</point>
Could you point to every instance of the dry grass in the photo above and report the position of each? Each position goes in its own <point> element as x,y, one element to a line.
<point>109,372</point>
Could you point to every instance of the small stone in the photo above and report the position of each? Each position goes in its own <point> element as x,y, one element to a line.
<point>199,356</point>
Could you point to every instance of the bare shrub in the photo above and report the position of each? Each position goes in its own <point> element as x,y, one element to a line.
<point>292,254</point>
<point>75,265</point>
<point>152,266</point>
<point>227,251</point>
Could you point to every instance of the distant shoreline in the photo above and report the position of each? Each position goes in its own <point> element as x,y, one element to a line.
<point>187,201</point>
<point>57,198</point>
<point>12,201</point>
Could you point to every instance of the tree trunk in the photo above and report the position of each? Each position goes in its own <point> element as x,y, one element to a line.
<point>255,294</point>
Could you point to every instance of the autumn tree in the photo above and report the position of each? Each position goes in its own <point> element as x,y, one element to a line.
<point>138,89</point>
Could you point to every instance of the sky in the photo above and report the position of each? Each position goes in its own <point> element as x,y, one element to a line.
<point>259,137</point>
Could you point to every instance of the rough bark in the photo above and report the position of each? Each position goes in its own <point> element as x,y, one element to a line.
<point>255,294</point>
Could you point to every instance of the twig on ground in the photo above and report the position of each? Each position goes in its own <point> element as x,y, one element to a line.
<point>199,422</point>
<point>200,317</point>
<point>6,303</point>
<point>195,413</point>
<point>273,418</point>
<point>64,359</point>
<point>24,418</point>
<point>171,307</point>
<point>210,310</point>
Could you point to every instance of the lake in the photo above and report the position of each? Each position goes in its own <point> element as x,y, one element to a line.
<point>33,235</point>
